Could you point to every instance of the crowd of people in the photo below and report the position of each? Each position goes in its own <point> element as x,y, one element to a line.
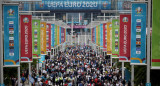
<point>78,66</point>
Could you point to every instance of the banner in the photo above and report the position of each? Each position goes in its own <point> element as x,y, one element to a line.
<point>60,35</point>
<point>52,35</point>
<point>48,37</point>
<point>155,62</point>
<point>115,38</point>
<point>11,35</point>
<point>97,35</point>
<point>36,47</point>
<point>73,5</point>
<point>138,33</point>
<point>55,43</point>
<point>65,33</point>
<point>26,38</point>
<point>43,38</point>
<point>125,37</point>
<point>105,37</point>
<point>42,60</point>
<point>109,38</point>
<point>57,35</point>
<point>101,36</point>
<point>92,34</point>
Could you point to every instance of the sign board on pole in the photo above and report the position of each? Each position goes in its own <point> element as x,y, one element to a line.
<point>138,34</point>
<point>11,35</point>
<point>42,60</point>
<point>96,35</point>
<point>155,61</point>
<point>125,37</point>
<point>115,38</point>
<point>109,38</point>
<point>55,42</point>
<point>36,47</point>
<point>52,35</point>
<point>26,38</point>
<point>95,29</point>
<point>43,38</point>
<point>101,36</point>
<point>105,37</point>
<point>58,37</point>
<point>48,37</point>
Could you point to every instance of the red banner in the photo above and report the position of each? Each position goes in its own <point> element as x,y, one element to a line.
<point>63,31</point>
<point>26,38</point>
<point>104,37</point>
<point>125,37</point>
<point>48,37</point>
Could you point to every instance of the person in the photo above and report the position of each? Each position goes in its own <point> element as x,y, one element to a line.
<point>77,69</point>
<point>123,82</point>
<point>129,83</point>
<point>23,80</point>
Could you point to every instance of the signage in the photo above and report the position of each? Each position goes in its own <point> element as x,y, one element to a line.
<point>105,37</point>
<point>101,36</point>
<point>55,42</point>
<point>58,37</point>
<point>115,38</point>
<point>48,37</point>
<point>73,5</point>
<point>148,84</point>
<point>26,38</point>
<point>52,35</point>
<point>11,35</point>
<point>42,60</point>
<point>62,35</point>
<point>97,35</point>
<point>109,38</point>
<point>91,34</point>
<point>65,35</point>
<point>155,61</point>
<point>125,37</point>
<point>138,33</point>
<point>36,47</point>
<point>43,38</point>
<point>24,0</point>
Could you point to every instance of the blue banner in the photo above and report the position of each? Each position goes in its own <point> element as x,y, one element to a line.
<point>101,35</point>
<point>42,60</point>
<point>11,35</point>
<point>73,5</point>
<point>138,33</point>
<point>52,35</point>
